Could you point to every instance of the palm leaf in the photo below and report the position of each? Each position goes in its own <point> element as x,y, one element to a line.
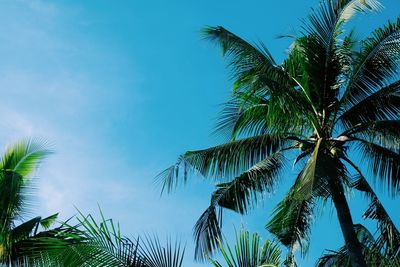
<point>223,161</point>
<point>17,163</point>
<point>384,164</point>
<point>244,56</point>
<point>12,198</point>
<point>376,64</point>
<point>244,116</point>
<point>248,251</point>
<point>101,244</point>
<point>240,193</point>
<point>46,245</point>
<point>383,132</point>
<point>236,195</point>
<point>324,58</point>
<point>207,232</point>
<point>155,254</point>
<point>255,72</point>
<point>325,23</point>
<point>25,156</point>
<point>291,221</point>
<point>372,256</point>
<point>388,240</point>
<point>384,104</point>
<point>48,221</point>
<point>307,178</point>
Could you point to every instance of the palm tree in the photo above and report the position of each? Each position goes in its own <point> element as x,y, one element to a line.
<point>23,242</point>
<point>332,101</point>
<point>248,251</point>
<point>33,243</point>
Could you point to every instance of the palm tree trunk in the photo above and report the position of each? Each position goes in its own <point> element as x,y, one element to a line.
<point>346,224</point>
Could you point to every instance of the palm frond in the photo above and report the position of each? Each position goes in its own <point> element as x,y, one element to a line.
<point>325,59</point>
<point>207,232</point>
<point>240,193</point>
<point>383,104</point>
<point>45,245</point>
<point>373,256</point>
<point>388,240</point>
<point>385,133</point>
<point>325,23</point>
<point>307,178</point>
<point>300,66</point>
<point>244,116</point>
<point>157,255</point>
<point>224,161</point>
<point>384,163</point>
<point>48,221</point>
<point>30,227</point>
<point>101,244</point>
<point>291,221</point>
<point>236,195</point>
<point>375,65</point>
<point>25,156</point>
<point>248,251</point>
<point>243,55</point>
<point>17,163</point>
<point>255,72</point>
<point>12,198</point>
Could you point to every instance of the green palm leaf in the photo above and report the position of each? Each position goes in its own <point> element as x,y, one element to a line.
<point>244,116</point>
<point>384,164</point>
<point>372,255</point>
<point>376,64</point>
<point>207,232</point>
<point>255,72</point>
<point>248,251</point>
<point>388,240</point>
<point>291,221</point>
<point>101,244</point>
<point>224,161</point>
<point>238,194</point>
<point>24,157</point>
<point>384,104</point>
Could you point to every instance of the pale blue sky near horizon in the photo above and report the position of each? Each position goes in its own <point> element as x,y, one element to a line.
<point>121,88</point>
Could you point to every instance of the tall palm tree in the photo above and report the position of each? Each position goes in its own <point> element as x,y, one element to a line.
<point>332,101</point>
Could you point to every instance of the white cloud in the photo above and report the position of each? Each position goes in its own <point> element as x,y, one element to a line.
<point>45,96</point>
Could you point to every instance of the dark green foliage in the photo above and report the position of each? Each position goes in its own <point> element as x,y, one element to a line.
<point>331,95</point>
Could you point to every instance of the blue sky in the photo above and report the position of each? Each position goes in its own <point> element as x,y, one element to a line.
<point>121,88</point>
